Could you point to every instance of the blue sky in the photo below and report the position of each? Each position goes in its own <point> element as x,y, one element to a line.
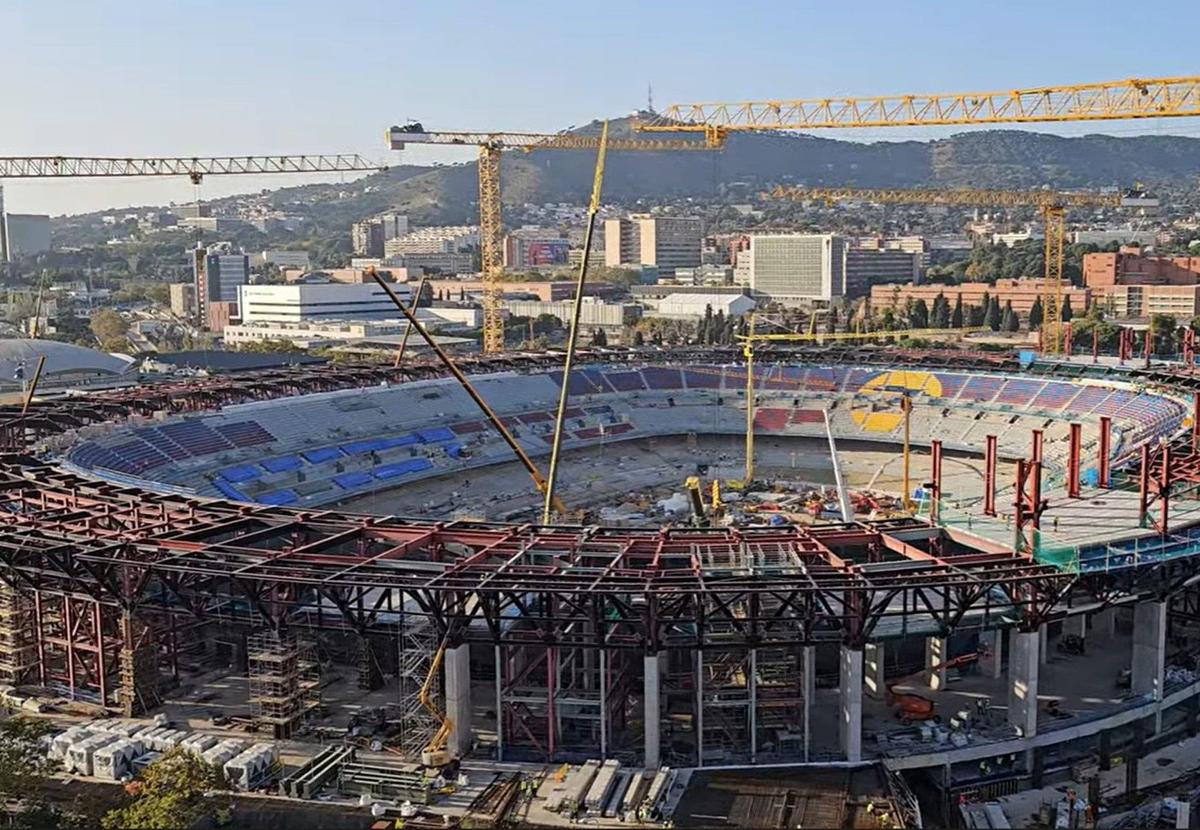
<point>292,76</point>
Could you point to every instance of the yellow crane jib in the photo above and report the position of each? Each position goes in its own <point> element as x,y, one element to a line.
<point>1105,101</point>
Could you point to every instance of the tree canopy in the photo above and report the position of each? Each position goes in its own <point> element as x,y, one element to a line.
<point>170,793</point>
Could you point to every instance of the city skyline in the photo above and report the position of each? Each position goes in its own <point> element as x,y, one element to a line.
<point>154,80</point>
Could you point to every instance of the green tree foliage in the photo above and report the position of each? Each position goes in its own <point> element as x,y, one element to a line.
<point>172,793</point>
<point>956,317</point>
<point>941,312</point>
<point>639,339</point>
<point>23,759</point>
<point>1009,321</point>
<point>1035,315</point>
<point>599,338</point>
<point>1067,312</point>
<point>991,317</point>
<point>110,329</point>
<point>889,320</point>
<point>273,346</point>
<point>1164,334</point>
<point>918,317</point>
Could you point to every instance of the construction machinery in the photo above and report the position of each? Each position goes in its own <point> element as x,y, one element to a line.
<point>1052,206</point>
<point>1106,101</point>
<point>435,753</point>
<point>491,145</point>
<point>194,167</point>
<point>910,707</point>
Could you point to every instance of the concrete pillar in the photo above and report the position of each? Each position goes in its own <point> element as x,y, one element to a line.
<point>1043,644</point>
<point>1075,624</point>
<point>1104,623</point>
<point>1023,667</point>
<point>458,699</point>
<point>651,718</point>
<point>850,710</point>
<point>996,667</point>
<point>873,671</point>
<point>808,688</point>
<point>1149,650</point>
<point>935,662</point>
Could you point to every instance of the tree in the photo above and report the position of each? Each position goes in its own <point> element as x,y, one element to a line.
<point>831,321</point>
<point>1036,314</point>
<point>889,320</point>
<point>919,317</point>
<point>991,317</point>
<point>110,329</point>
<point>1067,313</point>
<point>172,793</point>
<point>22,757</point>
<point>956,316</point>
<point>639,339</point>
<point>271,346</point>
<point>941,312</point>
<point>1009,321</point>
<point>599,338</point>
<point>1162,333</point>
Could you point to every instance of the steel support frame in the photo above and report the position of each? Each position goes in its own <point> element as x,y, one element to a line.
<point>989,476</point>
<point>1074,451</point>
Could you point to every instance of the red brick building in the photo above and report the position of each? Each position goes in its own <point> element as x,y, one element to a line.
<point>1128,267</point>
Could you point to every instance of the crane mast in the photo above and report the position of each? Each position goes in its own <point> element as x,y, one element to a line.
<point>491,233</point>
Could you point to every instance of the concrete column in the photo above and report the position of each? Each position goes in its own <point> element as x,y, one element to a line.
<point>1043,644</point>
<point>850,710</point>
<point>458,699</point>
<point>808,688</point>
<point>996,667</point>
<point>873,672</point>
<point>1023,667</point>
<point>1075,624</point>
<point>1104,623</point>
<point>1149,650</point>
<point>651,718</point>
<point>935,662</point>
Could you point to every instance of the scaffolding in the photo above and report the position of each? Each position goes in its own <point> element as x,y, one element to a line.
<point>561,701</point>
<point>139,689</point>
<point>284,680</point>
<point>418,643</point>
<point>748,702</point>
<point>18,636</point>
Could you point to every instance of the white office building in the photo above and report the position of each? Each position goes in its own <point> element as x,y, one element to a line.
<point>797,267</point>
<point>667,242</point>
<point>304,301</point>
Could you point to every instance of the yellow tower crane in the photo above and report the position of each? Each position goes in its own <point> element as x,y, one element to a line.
<point>1050,204</point>
<point>1106,101</point>
<point>491,145</point>
<point>194,167</point>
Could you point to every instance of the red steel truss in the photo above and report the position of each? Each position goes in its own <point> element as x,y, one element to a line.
<point>115,572</point>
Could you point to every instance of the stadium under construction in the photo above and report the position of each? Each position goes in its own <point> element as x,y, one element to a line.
<point>1012,625</point>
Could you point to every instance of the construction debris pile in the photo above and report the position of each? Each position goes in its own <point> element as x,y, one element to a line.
<point>732,503</point>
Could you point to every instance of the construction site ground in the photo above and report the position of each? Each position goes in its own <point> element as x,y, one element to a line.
<point>1082,684</point>
<point>653,468</point>
<point>639,472</point>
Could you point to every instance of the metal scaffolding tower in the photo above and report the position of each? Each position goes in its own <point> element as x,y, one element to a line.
<point>418,643</point>
<point>284,680</point>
